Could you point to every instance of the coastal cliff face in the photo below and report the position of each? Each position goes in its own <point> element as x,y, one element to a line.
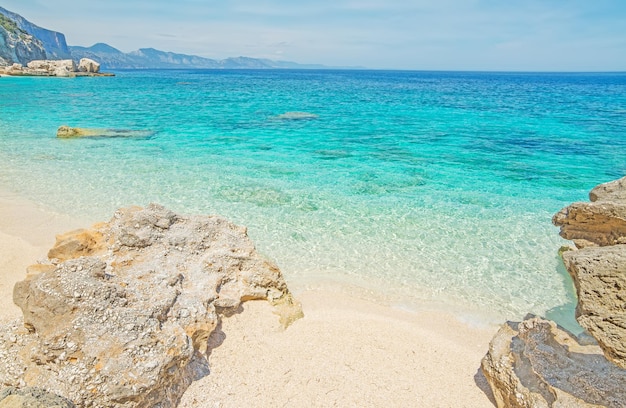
<point>16,45</point>
<point>122,314</point>
<point>535,363</point>
<point>53,42</point>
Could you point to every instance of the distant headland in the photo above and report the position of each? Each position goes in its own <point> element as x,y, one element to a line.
<point>22,42</point>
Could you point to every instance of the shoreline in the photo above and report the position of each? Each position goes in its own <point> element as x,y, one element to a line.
<point>347,350</point>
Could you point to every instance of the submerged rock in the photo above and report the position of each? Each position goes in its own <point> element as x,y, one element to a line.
<point>121,314</point>
<point>536,364</point>
<point>67,132</point>
<point>296,116</point>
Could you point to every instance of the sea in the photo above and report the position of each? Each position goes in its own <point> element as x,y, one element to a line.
<point>419,188</point>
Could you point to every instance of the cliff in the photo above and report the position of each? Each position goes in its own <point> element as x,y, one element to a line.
<point>16,45</point>
<point>54,44</point>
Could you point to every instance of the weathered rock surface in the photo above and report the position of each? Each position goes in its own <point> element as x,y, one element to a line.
<point>122,313</point>
<point>88,65</point>
<point>58,68</point>
<point>67,132</point>
<point>32,397</point>
<point>536,364</point>
<point>598,223</point>
<point>599,274</point>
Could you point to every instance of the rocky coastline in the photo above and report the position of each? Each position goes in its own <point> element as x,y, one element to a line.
<point>55,68</point>
<point>125,313</point>
<point>536,363</point>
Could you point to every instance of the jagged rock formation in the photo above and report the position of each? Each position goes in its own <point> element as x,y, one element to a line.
<point>599,273</point>
<point>534,363</point>
<point>53,43</point>
<point>122,313</point>
<point>598,223</point>
<point>16,45</point>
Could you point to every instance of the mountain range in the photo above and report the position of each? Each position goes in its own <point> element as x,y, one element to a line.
<point>22,41</point>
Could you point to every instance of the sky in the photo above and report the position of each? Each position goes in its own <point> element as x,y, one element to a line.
<point>482,35</point>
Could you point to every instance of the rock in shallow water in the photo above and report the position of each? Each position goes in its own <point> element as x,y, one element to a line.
<point>67,132</point>
<point>122,314</point>
<point>537,364</point>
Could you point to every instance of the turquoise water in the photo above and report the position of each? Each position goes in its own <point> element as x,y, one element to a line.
<point>421,186</point>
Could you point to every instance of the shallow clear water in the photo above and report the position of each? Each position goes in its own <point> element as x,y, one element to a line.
<point>423,186</point>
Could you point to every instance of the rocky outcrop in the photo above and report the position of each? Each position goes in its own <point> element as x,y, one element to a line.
<point>536,364</point>
<point>58,68</point>
<point>88,65</point>
<point>600,222</point>
<point>67,132</point>
<point>121,314</point>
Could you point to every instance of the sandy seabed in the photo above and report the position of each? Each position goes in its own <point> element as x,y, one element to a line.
<point>348,351</point>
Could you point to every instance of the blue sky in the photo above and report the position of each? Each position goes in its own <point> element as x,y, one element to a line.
<point>548,35</point>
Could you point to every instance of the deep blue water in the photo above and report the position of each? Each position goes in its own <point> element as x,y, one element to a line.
<point>421,186</point>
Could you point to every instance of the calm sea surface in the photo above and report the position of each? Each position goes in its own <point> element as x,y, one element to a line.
<point>421,186</point>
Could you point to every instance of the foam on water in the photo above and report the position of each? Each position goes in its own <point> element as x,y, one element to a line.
<point>435,187</point>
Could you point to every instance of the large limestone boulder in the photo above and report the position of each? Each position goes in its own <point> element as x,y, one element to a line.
<point>599,274</point>
<point>600,222</point>
<point>61,68</point>
<point>536,364</point>
<point>122,312</point>
<point>88,65</point>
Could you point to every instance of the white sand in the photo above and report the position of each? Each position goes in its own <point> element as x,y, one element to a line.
<point>345,352</point>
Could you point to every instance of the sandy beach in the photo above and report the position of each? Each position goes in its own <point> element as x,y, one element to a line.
<point>347,350</point>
